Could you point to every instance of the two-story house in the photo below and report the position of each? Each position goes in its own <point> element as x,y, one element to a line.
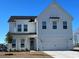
<point>50,30</point>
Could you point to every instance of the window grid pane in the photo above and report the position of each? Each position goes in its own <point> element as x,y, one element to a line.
<point>25,27</point>
<point>54,25</point>
<point>13,43</point>
<point>19,28</point>
<point>64,24</point>
<point>22,43</point>
<point>44,25</point>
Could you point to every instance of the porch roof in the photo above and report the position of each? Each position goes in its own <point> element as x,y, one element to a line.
<point>23,33</point>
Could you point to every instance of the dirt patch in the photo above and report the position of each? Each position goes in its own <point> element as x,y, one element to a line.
<point>8,54</point>
<point>36,54</point>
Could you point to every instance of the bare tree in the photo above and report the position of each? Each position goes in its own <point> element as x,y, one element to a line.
<point>9,39</point>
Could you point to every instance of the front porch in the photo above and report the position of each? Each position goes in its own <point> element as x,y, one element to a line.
<point>23,43</point>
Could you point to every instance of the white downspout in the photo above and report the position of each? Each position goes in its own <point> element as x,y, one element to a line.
<point>36,27</point>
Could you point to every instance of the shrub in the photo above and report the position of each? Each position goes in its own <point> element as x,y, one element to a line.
<point>27,49</point>
<point>10,50</point>
<point>22,50</point>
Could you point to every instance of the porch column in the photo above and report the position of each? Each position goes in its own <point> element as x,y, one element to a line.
<point>36,43</point>
<point>17,44</point>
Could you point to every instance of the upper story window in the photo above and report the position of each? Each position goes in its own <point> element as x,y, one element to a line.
<point>13,43</point>
<point>19,29</point>
<point>22,43</point>
<point>54,26</point>
<point>25,27</point>
<point>44,25</point>
<point>64,24</point>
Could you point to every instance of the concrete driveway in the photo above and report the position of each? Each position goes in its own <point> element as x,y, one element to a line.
<point>63,54</point>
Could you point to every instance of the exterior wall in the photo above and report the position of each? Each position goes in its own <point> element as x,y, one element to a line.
<point>54,39</point>
<point>13,26</point>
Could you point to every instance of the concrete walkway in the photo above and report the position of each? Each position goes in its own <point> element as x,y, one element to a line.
<point>63,54</point>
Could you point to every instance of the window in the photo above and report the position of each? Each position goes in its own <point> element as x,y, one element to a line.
<point>25,27</point>
<point>54,17</point>
<point>22,43</point>
<point>19,28</point>
<point>64,24</point>
<point>13,43</point>
<point>44,25</point>
<point>54,25</point>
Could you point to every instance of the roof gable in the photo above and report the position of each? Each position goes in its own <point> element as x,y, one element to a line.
<point>54,7</point>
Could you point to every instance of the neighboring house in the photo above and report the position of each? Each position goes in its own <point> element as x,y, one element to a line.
<point>50,30</point>
<point>76,37</point>
<point>3,47</point>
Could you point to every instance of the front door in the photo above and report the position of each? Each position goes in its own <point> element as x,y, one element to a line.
<point>31,43</point>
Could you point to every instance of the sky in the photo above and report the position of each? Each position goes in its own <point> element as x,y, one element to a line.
<point>33,8</point>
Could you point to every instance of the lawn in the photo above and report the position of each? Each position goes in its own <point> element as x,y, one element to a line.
<point>34,54</point>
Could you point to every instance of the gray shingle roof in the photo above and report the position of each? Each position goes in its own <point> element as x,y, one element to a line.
<point>12,18</point>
